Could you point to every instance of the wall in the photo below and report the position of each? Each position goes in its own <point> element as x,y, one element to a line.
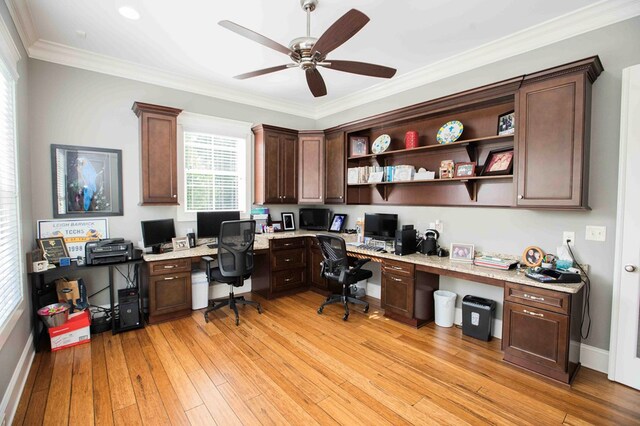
<point>12,374</point>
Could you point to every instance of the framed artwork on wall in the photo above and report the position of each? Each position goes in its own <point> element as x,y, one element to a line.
<point>86,181</point>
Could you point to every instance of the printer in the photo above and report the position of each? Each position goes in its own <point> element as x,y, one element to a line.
<point>113,250</point>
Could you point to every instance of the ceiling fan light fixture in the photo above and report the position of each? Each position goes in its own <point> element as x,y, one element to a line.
<point>129,12</point>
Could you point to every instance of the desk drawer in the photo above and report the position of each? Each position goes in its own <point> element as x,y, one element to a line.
<point>550,300</point>
<point>398,268</point>
<point>169,266</point>
<point>288,259</point>
<point>288,279</point>
<point>287,243</point>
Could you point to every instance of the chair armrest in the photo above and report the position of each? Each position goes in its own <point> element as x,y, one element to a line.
<point>360,263</point>
<point>208,260</point>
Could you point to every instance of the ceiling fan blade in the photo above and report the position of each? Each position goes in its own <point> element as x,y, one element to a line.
<point>316,82</point>
<point>261,72</point>
<point>258,38</point>
<point>341,30</point>
<point>362,68</point>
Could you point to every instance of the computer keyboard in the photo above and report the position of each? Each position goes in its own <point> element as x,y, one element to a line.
<point>370,247</point>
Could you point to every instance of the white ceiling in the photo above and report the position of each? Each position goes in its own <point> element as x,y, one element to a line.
<point>182,42</point>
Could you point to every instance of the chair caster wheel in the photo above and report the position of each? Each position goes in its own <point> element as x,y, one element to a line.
<point>320,311</point>
<point>345,317</point>
<point>206,318</point>
<point>259,309</point>
<point>366,309</point>
<point>237,322</point>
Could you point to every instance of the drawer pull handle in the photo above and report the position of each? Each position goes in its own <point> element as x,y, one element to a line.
<point>397,268</point>
<point>395,279</point>
<point>287,260</point>
<point>533,313</point>
<point>170,278</point>
<point>287,244</point>
<point>169,266</point>
<point>286,280</point>
<point>528,296</point>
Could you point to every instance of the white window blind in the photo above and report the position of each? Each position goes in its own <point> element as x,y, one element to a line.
<point>214,168</point>
<point>10,270</point>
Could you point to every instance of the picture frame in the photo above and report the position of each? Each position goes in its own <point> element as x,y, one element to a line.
<point>277,226</point>
<point>358,146</point>
<point>462,252</point>
<point>338,222</point>
<point>507,123</point>
<point>53,248</point>
<point>180,243</point>
<point>498,162</point>
<point>86,181</point>
<point>446,170</point>
<point>463,170</point>
<point>288,222</point>
<point>532,256</point>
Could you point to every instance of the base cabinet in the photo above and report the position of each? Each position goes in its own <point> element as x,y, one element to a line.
<point>398,290</point>
<point>285,271</point>
<point>168,285</point>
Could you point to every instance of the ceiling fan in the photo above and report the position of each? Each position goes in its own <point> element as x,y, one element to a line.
<point>309,53</point>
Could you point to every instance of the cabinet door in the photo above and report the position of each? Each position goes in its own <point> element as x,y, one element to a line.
<point>335,159</point>
<point>552,144</point>
<point>169,293</point>
<point>311,168</point>
<point>271,167</point>
<point>159,163</point>
<point>397,294</point>
<point>288,169</point>
<point>288,279</point>
<point>535,337</point>
<point>315,279</point>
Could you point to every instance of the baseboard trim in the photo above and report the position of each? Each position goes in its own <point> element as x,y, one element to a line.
<point>11,398</point>
<point>594,358</point>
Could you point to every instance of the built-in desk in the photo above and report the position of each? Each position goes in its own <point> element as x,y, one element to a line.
<point>541,322</point>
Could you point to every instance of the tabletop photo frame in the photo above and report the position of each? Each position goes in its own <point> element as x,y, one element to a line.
<point>288,222</point>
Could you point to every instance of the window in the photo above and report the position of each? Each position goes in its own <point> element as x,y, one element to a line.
<point>11,277</point>
<point>213,157</point>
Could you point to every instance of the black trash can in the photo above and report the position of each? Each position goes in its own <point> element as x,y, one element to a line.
<point>477,317</point>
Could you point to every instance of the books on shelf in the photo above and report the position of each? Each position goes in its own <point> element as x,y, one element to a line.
<point>376,174</point>
<point>495,262</point>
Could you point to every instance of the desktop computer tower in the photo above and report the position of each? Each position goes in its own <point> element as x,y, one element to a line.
<point>128,307</point>
<point>406,241</point>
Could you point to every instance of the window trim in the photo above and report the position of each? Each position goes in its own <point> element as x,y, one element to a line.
<point>188,121</point>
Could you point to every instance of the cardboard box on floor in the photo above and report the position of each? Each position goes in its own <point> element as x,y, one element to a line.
<point>74,332</point>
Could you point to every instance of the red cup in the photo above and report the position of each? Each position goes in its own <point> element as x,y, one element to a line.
<point>411,139</point>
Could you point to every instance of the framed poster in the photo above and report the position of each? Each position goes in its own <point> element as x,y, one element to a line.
<point>86,181</point>
<point>76,232</point>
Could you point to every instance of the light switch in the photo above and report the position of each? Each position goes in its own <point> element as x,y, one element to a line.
<point>596,233</point>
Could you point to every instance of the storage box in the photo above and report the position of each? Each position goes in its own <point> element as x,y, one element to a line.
<point>74,332</point>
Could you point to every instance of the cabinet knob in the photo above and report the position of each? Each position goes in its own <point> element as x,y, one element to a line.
<point>175,196</point>
<point>520,197</point>
<point>340,197</point>
<point>630,268</point>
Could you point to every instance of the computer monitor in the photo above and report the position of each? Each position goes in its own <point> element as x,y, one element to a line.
<point>209,222</point>
<point>157,232</point>
<point>314,219</point>
<point>380,225</point>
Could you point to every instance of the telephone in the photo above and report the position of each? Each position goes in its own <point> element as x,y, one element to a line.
<point>552,276</point>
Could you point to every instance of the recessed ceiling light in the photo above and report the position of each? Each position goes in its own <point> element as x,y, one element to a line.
<point>129,13</point>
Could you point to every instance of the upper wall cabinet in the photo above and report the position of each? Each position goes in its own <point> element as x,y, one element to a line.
<point>311,167</point>
<point>553,136</point>
<point>158,147</point>
<point>276,166</point>
<point>335,160</point>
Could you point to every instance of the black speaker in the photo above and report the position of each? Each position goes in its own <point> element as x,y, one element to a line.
<point>128,307</point>
<point>406,241</point>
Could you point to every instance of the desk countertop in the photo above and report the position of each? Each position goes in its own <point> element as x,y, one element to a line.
<point>442,263</point>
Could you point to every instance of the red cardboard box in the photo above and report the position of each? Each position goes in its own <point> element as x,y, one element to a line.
<point>74,332</point>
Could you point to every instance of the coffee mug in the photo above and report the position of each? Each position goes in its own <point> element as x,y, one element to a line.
<point>411,139</point>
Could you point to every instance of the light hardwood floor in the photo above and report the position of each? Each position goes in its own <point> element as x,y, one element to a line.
<point>293,366</point>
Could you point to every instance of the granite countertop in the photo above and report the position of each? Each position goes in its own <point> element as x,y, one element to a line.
<point>262,243</point>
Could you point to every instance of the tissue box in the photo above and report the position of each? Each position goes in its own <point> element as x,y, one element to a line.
<point>74,332</point>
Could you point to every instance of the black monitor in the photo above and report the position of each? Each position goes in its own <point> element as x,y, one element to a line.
<point>157,232</point>
<point>380,225</point>
<point>209,222</point>
<point>314,219</point>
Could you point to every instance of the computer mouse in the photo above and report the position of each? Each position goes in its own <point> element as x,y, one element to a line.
<point>382,251</point>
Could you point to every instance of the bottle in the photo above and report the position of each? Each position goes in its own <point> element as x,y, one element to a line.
<point>360,230</point>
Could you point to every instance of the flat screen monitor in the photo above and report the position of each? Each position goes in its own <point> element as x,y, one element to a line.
<point>209,222</point>
<point>380,225</point>
<point>314,219</point>
<point>157,232</point>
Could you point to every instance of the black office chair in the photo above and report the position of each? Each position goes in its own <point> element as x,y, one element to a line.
<point>335,266</point>
<point>235,264</point>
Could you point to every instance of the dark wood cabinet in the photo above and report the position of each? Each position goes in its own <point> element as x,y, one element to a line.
<point>398,289</point>
<point>541,330</point>
<point>553,137</point>
<point>158,153</point>
<point>311,170</point>
<point>276,166</point>
<point>285,270</point>
<point>335,160</point>
<point>168,284</point>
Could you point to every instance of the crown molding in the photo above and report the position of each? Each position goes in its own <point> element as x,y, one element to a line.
<point>589,18</point>
<point>78,58</point>
<point>21,15</point>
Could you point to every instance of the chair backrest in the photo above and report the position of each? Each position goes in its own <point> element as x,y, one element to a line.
<point>334,251</point>
<point>235,247</point>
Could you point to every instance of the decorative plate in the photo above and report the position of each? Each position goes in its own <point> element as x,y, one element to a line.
<point>450,132</point>
<point>381,144</point>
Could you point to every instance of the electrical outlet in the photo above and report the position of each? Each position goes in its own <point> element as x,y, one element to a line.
<point>439,226</point>
<point>596,233</point>
<point>570,236</point>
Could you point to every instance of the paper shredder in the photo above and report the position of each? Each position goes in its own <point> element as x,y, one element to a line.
<point>477,317</point>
